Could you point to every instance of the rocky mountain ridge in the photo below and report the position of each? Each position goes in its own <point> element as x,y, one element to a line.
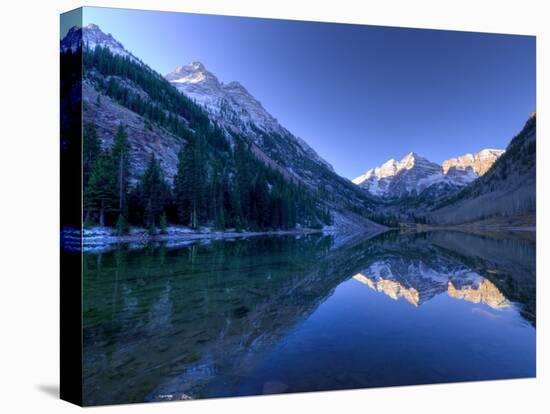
<point>91,36</point>
<point>414,175</point>
<point>233,107</point>
<point>480,162</point>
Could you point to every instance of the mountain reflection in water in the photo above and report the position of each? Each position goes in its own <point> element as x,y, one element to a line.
<point>287,314</point>
<point>463,284</point>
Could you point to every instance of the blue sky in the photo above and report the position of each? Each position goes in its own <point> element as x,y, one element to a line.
<point>358,95</point>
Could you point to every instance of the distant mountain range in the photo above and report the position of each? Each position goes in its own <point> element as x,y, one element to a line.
<point>415,175</point>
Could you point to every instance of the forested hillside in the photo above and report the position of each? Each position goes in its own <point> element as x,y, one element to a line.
<point>217,181</point>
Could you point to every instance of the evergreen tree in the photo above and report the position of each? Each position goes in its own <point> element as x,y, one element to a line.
<point>200,174</point>
<point>122,225</point>
<point>163,223</point>
<point>182,185</point>
<point>219,205</point>
<point>121,157</point>
<point>190,184</point>
<point>154,192</point>
<point>101,193</point>
<point>259,201</point>
<point>242,190</point>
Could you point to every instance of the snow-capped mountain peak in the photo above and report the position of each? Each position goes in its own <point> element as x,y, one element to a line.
<point>192,73</point>
<point>479,162</point>
<point>410,158</point>
<point>413,160</point>
<point>415,174</point>
<point>233,107</point>
<point>91,36</point>
<point>222,100</point>
<point>387,169</point>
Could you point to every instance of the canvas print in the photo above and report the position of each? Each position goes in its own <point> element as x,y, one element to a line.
<point>263,206</point>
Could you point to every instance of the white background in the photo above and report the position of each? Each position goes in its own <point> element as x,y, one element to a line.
<point>29,194</point>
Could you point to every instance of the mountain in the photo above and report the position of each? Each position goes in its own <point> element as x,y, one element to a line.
<point>480,163</point>
<point>233,107</point>
<point>235,110</point>
<point>415,175</point>
<point>507,189</point>
<point>163,115</point>
<point>91,36</point>
<point>410,176</point>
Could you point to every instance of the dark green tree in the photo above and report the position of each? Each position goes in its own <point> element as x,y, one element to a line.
<point>101,194</point>
<point>243,182</point>
<point>154,192</point>
<point>182,183</point>
<point>219,204</point>
<point>190,184</point>
<point>259,201</point>
<point>163,223</point>
<point>121,157</point>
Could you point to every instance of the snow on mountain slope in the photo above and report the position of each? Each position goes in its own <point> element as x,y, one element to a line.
<point>480,163</point>
<point>236,111</point>
<point>414,175</point>
<point>234,108</point>
<point>91,36</point>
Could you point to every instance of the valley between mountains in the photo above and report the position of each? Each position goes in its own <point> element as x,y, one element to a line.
<point>184,153</point>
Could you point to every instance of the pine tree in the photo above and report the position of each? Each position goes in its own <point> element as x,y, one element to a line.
<point>121,156</point>
<point>217,196</point>
<point>163,223</point>
<point>260,201</point>
<point>101,193</point>
<point>243,182</point>
<point>182,185</point>
<point>201,180</point>
<point>122,225</point>
<point>154,192</point>
<point>190,184</point>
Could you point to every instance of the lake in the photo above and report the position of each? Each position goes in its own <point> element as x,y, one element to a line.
<point>286,314</point>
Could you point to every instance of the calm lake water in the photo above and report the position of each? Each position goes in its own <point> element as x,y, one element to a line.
<point>286,314</point>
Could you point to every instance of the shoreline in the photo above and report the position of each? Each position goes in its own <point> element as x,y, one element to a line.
<point>527,233</point>
<point>100,238</point>
<point>523,226</point>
